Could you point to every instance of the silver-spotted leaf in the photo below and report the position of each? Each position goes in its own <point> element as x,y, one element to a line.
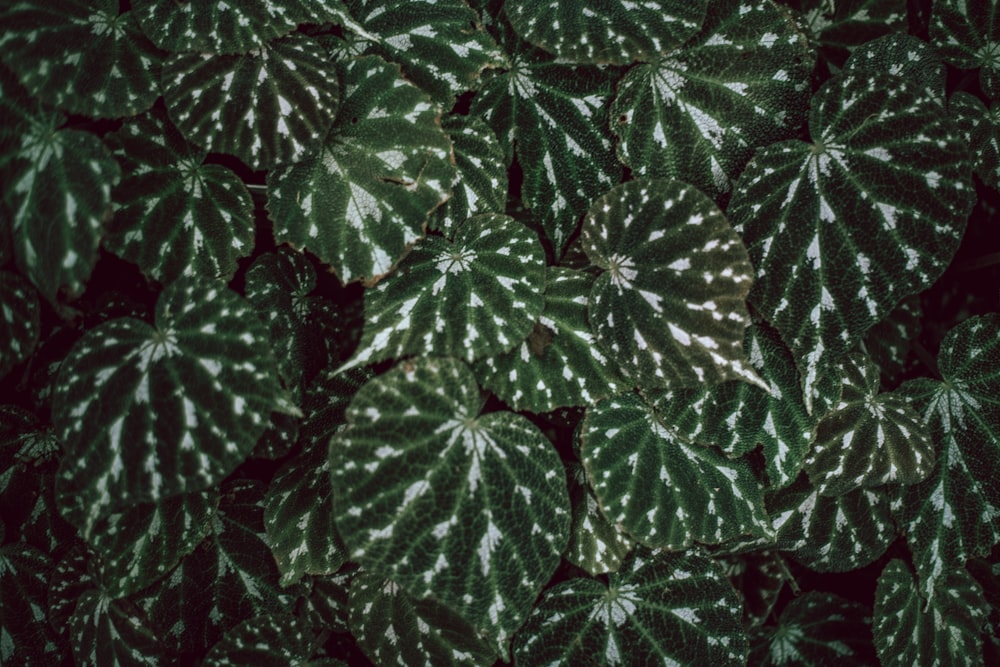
<point>558,115</point>
<point>25,635</point>
<point>814,630</point>
<point>174,215</point>
<point>839,26</point>
<point>326,400</point>
<point>886,180</point>
<point>304,327</point>
<point>967,34</point>
<point>139,545</point>
<point>480,183</point>
<point>595,544</point>
<point>229,26</point>
<point>439,43</point>
<point>889,342</point>
<point>362,199</point>
<point>111,632</point>
<point>618,32</point>
<point>669,308</point>
<point>478,295</point>
<point>270,640</point>
<point>905,56</point>
<point>145,412</point>
<point>229,578</point>
<point>947,630</point>
<point>698,112</point>
<point>736,416</point>
<point>981,127</point>
<point>469,509</point>
<point>662,489</point>
<point>298,516</point>
<point>667,608</point>
<point>60,197</point>
<point>270,106</point>
<point>870,439</point>
<point>955,514</point>
<point>831,533</point>
<point>20,324</point>
<point>393,628</point>
<point>81,56</point>
<point>559,364</point>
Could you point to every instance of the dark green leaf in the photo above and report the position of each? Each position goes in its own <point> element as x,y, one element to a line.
<point>19,320</point>
<point>270,640</point>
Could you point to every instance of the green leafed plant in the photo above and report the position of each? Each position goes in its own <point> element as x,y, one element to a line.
<point>471,332</point>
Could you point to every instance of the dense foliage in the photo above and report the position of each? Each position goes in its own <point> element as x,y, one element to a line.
<point>470,332</point>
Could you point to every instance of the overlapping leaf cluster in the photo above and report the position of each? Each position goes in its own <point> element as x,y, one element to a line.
<point>461,331</point>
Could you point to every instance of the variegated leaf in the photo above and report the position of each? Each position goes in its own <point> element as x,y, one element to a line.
<point>175,215</point>
<point>393,628</point>
<point>20,324</point>
<point>839,26</point>
<point>559,364</point>
<point>145,412</point>
<point>269,107</point>
<point>967,34</point>
<point>981,127</point>
<point>870,439</point>
<point>107,632</point>
<point>904,56</point>
<point>478,295</point>
<point>558,115</point>
<point>362,199</point>
<point>889,341</point>
<point>698,112</point>
<point>662,489</point>
<point>946,630</point>
<point>269,639</point>
<point>955,514</point>
<point>81,56</point>
<point>596,545</point>
<point>669,308</point>
<point>480,183</point>
<point>439,43</point>
<point>618,32</point>
<point>831,533</point>
<point>470,509</point>
<point>674,609</point>
<point>886,177</point>
<point>25,635</point>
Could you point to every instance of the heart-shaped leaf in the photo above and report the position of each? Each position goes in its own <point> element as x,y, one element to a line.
<point>669,308</point>
<point>469,509</point>
<point>81,56</point>
<point>618,32</point>
<point>697,113</point>
<point>870,439</point>
<point>363,197</point>
<point>478,295</point>
<point>145,412</point>
<point>674,609</point>
<point>268,107</point>
<point>663,490</point>
<point>175,215</point>
<point>885,177</point>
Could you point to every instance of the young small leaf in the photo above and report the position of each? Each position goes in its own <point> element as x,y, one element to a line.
<point>595,544</point>
<point>967,34</point>
<point>19,320</point>
<point>870,439</point>
<point>981,127</point>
